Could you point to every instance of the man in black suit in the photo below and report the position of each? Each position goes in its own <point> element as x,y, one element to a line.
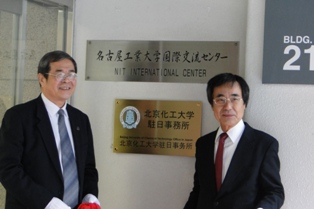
<point>249,175</point>
<point>31,167</point>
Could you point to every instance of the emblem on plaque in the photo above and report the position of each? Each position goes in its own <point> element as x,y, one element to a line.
<point>130,117</point>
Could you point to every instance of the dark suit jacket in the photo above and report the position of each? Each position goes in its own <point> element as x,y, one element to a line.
<point>29,164</point>
<point>252,179</point>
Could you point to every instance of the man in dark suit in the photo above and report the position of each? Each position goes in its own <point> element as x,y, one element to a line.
<point>242,170</point>
<point>31,160</point>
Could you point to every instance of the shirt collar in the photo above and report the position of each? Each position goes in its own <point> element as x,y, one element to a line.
<point>53,109</point>
<point>234,133</point>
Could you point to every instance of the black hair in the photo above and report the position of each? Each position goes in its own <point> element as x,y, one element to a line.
<point>54,56</point>
<point>224,78</point>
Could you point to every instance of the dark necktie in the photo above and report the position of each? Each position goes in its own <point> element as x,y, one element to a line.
<point>219,160</point>
<point>70,180</point>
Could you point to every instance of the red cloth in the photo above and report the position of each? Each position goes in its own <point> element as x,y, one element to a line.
<point>86,205</point>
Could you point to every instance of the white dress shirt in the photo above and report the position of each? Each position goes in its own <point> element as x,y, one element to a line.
<point>52,110</point>
<point>231,143</point>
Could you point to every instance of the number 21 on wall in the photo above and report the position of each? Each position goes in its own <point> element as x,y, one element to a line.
<point>289,65</point>
<point>297,53</point>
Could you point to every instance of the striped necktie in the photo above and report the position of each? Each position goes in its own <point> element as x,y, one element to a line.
<point>70,179</point>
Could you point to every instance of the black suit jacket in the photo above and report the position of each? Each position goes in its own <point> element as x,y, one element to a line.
<point>252,179</point>
<point>30,168</point>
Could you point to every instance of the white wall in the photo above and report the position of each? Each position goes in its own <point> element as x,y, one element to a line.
<point>139,181</point>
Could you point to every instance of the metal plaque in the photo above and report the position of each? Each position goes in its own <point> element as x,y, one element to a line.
<point>159,61</point>
<point>157,127</point>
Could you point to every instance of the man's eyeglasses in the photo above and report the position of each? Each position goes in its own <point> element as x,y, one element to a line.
<point>61,76</point>
<point>223,100</point>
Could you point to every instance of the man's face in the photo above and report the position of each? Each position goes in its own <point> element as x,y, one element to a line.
<point>58,91</point>
<point>229,114</point>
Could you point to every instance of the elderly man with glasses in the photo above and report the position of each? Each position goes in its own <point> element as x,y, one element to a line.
<point>46,145</point>
<point>237,166</point>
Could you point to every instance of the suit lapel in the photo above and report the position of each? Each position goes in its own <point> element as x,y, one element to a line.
<point>205,164</point>
<point>211,152</point>
<point>45,130</point>
<point>76,134</point>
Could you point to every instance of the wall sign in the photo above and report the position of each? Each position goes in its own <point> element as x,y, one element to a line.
<point>288,42</point>
<point>159,61</point>
<point>157,127</point>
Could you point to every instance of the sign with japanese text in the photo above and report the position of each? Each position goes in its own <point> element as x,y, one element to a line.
<point>288,42</point>
<point>157,127</point>
<point>159,61</point>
